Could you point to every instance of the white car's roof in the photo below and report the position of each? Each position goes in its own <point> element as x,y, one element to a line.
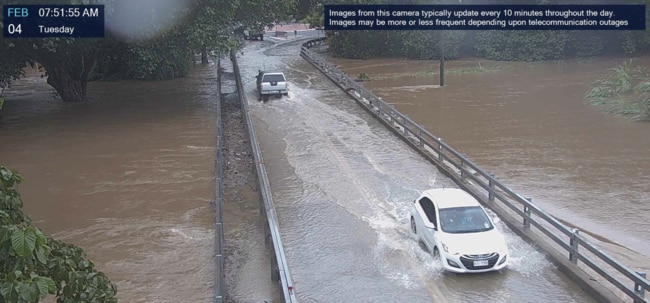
<point>276,73</point>
<point>451,197</point>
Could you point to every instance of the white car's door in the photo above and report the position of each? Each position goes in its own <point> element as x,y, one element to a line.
<point>425,227</point>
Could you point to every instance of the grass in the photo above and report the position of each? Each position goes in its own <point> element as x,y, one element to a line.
<point>363,76</point>
<point>454,71</point>
<point>624,91</point>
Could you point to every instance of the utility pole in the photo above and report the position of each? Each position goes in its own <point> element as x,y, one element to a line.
<point>442,55</point>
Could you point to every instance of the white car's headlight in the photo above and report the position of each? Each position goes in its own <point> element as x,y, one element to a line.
<point>447,250</point>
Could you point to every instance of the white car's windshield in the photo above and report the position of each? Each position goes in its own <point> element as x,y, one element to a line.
<point>464,220</point>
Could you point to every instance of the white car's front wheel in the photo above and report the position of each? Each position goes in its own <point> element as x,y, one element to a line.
<point>413,228</point>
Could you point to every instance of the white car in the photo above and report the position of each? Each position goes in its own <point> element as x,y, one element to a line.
<point>457,229</point>
<point>271,84</point>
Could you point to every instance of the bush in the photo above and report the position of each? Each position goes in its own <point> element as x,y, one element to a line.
<point>625,91</point>
<point>33,265</point>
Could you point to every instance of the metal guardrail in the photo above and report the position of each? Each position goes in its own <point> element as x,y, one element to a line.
<point>630,283</point>
<point>279,267</point>
<point>220,291</point>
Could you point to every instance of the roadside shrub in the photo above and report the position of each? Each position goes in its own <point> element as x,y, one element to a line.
<point>34,266</point>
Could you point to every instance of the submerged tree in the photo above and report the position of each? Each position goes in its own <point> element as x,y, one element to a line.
<point>33,265</point>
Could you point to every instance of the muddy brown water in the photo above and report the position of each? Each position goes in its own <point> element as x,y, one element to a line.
<point>530,125</point>
<point>129,176</point>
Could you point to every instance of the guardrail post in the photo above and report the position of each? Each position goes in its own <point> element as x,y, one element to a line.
<point>267,230</point>
<point>638,289</point>
<point>275,271</point>
<point>527,213</point>
<point>440,140</point>
<point>462,167</point>
<point>573,254</point>
<point>491,188</point>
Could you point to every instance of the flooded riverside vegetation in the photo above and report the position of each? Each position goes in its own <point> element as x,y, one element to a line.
<point>624,91</point>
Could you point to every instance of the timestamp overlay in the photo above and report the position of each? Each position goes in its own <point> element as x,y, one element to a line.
<point>485,17</point>
<point>53,21</point>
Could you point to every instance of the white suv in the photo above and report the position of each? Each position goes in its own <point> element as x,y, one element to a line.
<point>455,227</point>
<point>269,84</point>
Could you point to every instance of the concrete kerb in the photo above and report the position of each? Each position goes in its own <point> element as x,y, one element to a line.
<point>598,291</point>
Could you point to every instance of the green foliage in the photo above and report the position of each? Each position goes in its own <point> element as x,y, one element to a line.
<point>263,13</point>
<point>33,266</point>
<point>586,44</point>
<point>521,45</point>
<point>208,26</point>
<point>11,65</point>
<point>164,58</point>
<point>423,45</point>
<point>625,91</point>
<point>211,28</point>
<point>419,44</point>
<point>634,42</point>
<point>346,44</point>
<point>304,8</point>
<point>205,26</point>
<point>315,19</point>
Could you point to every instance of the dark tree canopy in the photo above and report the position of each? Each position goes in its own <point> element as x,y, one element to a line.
<point>169,33</point>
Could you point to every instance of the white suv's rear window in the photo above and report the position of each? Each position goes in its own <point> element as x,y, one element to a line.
<point>273,78</point>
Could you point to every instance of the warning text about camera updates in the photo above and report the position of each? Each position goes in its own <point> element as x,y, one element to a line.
<point>464,17</point>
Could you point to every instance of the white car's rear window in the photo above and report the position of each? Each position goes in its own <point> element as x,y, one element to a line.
<point>273,78</point>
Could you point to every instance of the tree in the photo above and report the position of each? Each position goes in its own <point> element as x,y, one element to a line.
<point>159,51</point>
<point>33,265</point>
<point>212,27</point>
<point>67,61</point>
<point>264,13</point>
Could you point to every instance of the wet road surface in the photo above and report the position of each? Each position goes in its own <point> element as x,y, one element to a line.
<point>343,185</point>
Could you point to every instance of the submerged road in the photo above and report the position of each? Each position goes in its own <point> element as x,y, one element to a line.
<point>343,185</point>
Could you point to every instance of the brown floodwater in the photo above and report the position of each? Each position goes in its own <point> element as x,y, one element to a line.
<point>129,176</point>
<point>529,124</point>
